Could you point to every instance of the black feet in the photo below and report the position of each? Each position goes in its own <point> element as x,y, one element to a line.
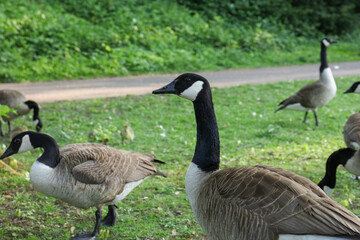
<point>85,236</point>
<point>110,218</point>
<point>95,233</point>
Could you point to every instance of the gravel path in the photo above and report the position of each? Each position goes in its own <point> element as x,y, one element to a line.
<point>120,86</point>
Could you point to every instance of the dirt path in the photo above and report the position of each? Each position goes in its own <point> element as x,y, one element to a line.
<point>120,86</point>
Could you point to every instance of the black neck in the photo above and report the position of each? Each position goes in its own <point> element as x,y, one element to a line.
<point>336,158</point>
<point>207,151</point>
<point>51,155</point>
<point>33,105</point>
<point>323,58</point>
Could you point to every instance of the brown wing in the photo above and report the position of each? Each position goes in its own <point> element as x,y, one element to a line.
<point>277,201</point>
<point>352,131</point>
<point>11,98</point>
<point>306,95</point>
<point>95,163</point>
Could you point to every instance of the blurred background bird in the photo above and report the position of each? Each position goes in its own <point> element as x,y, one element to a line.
<point>127,133</point>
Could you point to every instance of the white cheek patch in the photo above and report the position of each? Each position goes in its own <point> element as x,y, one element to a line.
<point>36,122</point>
<point>328,190</point>
<point>192,92</point>
<point>357,89</point>
<point>326,43</point>
<point>25,144</point>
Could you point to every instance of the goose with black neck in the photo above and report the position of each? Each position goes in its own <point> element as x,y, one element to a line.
<point>251,202</point>
<point>16,100</point>
<point>317,94</point>
<point>84,174</point>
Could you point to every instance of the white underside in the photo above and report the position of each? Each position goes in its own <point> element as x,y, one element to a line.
<point>127,189</point>
<point>309,237</point>
<point>297,107</point>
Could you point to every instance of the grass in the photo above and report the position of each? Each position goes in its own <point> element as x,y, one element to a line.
<point>251,133</point>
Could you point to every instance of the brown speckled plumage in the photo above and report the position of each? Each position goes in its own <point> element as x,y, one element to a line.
<point>352,131</point>
<point>97,168</point>
<point>261,202</point>
<point>15,100</point>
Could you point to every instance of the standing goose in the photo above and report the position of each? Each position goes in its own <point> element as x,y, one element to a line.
<point>316,94</point>
<point>16,100</point>
<point>84,174</point>
<point>347,157</point>
<point>251,202</point>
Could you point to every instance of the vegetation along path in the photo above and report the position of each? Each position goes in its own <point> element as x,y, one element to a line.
<point>120,86</point>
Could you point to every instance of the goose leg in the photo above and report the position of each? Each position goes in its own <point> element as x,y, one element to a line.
<point>9,126</point>
<point>110,218</point>
<point>1,130</point>
<point>95,233</point>
<point>316,118</point>
<point>306,113</point>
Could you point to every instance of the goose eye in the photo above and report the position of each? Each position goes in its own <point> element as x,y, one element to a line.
<point>187,79</point>
<point>17,140</point>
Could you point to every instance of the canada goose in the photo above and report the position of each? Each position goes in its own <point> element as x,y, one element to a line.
<point>354,88</point>
<point>251,202</point>
<point>16,100</point>
<point>347,157</point>
<point>84,174</point>
<point>316,94</point>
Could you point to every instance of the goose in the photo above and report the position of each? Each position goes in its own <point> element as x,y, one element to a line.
<point>355,88</point>
<point>347,157</point>
<point>16,100</point>
<point>317,94</point>
<point>251,202</point>
<point>84,174</point>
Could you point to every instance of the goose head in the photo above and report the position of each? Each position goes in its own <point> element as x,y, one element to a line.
<point>355,88</point>
<point>327,41</point>
<point>38,124</point>
<point>20,143</point>
<point>188,85</point>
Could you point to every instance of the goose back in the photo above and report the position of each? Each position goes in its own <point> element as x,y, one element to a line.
<point>261,202</point>
<point>15,100</point>
<point>91,174</point>
<point>352,132</point>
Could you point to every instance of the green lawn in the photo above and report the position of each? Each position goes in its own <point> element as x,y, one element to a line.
<point>251,133</point>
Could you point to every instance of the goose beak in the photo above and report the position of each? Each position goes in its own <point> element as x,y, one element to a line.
<point>7,153</point>
<point>167,89</point>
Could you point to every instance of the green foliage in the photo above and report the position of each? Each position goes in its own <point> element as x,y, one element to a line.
<point>250,133</point>
<point>53,39</point>
<point>4,110</point>
<point>305,18</point>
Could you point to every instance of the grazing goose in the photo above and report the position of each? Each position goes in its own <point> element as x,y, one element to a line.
<point>352,132</point>
<point>16,100</point>
<point>347,157</point>
<point>84,174</point>
<point>355,88</point>
<point>251,202</point>
<point>316,94</point>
